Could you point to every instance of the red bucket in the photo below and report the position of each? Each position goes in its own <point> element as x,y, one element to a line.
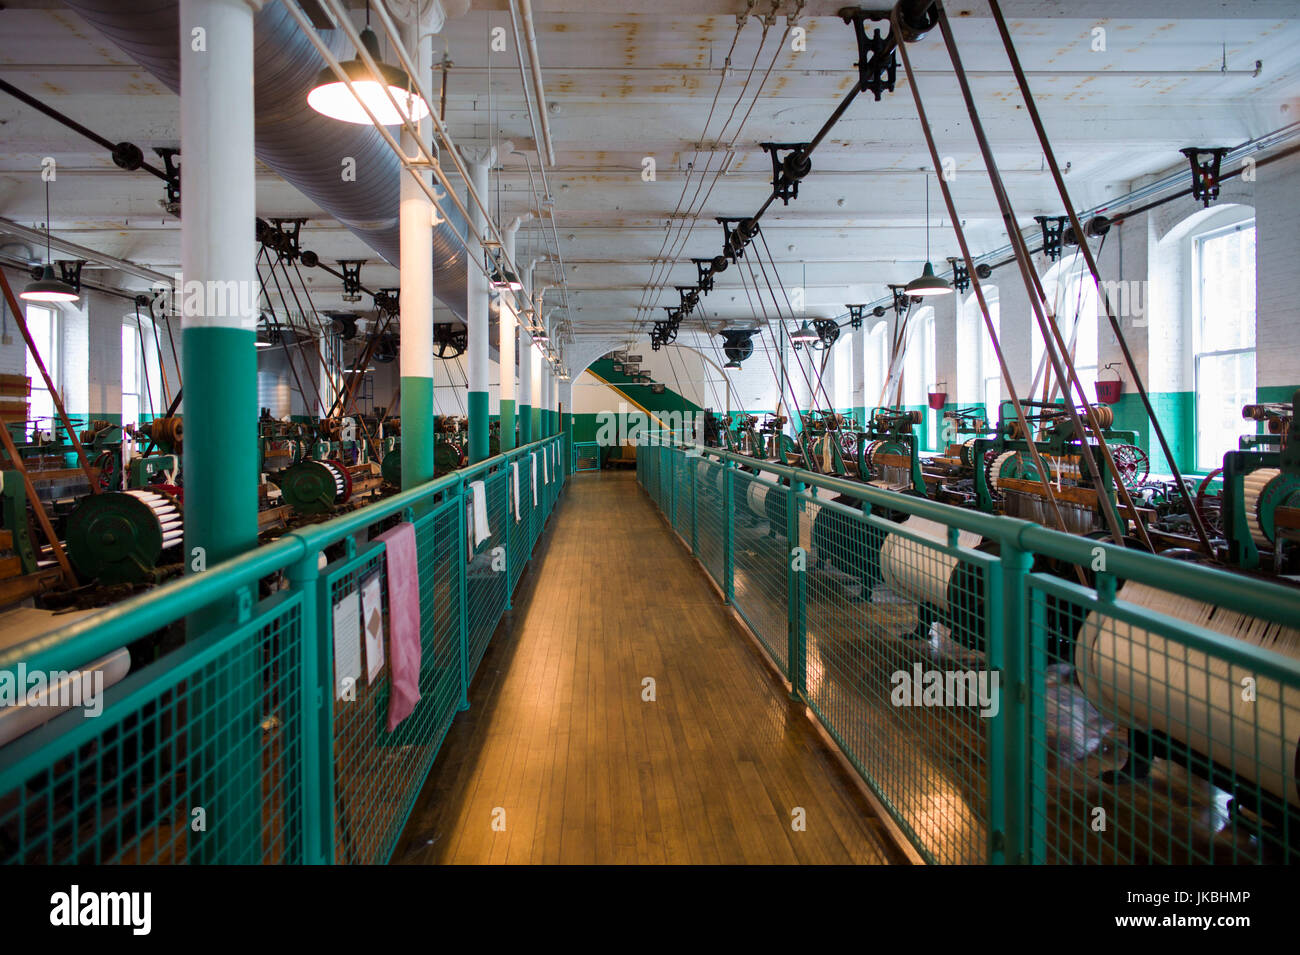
<point>1108,392</point>
<point>938,399</point>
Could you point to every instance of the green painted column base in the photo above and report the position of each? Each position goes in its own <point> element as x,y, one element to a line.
<point>417,431</point>
<point>566,426</point>
<point>478,426</point>
<point>525,424</point>
<point>221,447</point>
<point>507,424</point>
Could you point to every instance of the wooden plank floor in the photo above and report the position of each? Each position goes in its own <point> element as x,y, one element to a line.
<point>560,748</point>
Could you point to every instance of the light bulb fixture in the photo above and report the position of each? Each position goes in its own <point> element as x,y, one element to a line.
<point>332,96</point>
<point>804,335</point>
<point>48,288</point>
<point>732,364</point>
<point>504,279</point>
<point>927,283</point>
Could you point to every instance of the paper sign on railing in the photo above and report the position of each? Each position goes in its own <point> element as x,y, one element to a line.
<point>347,645</point>
<point>372,625</point>
<point>532,470</point>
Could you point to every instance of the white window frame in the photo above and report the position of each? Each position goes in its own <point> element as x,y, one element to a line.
<point>53,364</point>
<point>1196,318</point>
<point>146,361</point>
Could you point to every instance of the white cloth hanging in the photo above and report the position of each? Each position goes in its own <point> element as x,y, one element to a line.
<point>481,529</point>
<point>514,483</point>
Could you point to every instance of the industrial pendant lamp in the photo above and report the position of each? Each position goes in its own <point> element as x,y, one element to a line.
<point>331,96</point>
<point>928,283</point>
<point>804,335</point>
<point>48,288</point>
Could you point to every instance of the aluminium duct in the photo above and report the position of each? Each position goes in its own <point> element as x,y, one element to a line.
<point>298,144</point>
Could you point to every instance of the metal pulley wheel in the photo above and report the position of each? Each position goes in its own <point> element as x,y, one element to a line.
<point>120,536</point>
<point>313,487</point>
<point>1133,464</point>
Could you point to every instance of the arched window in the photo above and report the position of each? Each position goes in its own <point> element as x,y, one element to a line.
<point>842,377</point>
<point>919,370</point>
<point>1201,311</point>
<point>876,362</point>
<point>1223,336</point>
<point>142,396</point>
<point>43,323</point>
<point>1073,295</point>
<point>979,378</point>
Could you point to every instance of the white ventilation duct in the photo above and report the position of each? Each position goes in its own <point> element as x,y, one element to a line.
<point>301,146</point>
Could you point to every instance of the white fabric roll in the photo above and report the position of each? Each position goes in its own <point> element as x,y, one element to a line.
<point>1192,697</point>
<point>916,571</point>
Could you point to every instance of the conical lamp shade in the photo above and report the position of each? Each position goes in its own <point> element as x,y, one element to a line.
<point>48,288</point>
<point>928,284</point>
<point>331,96</point>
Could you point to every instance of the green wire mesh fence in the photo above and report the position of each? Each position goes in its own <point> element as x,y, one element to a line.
<point>234,744</point>
<point>1010,693</point>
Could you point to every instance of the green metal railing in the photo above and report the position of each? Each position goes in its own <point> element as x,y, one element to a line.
<point>586,456</point>
<point>236,747</point>
<point>1001,708</point>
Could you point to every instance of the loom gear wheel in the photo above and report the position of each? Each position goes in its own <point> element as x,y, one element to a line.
<point>1133,464</point>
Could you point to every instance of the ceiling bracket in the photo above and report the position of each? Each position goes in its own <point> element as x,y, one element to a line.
<point>172,202</point>
<point>1205,162</point>
<point>704,273</point>
<point>1053,231</point>
<point>873,77</point>
<point>787,169</point>
<point>284,236</point>
<point>70,272</point>
<point>960,275</point>
<point>351,278</point>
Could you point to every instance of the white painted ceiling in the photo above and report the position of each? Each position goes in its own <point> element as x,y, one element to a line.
<point>627,81</point>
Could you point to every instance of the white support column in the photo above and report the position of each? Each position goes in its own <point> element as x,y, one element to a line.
<point>507,333</point>
<point>479,162</point>
<point>525,386</point>
<point>219,311</point>
<point>219,320</point>
<point>548,399</point>
<point>416,300</point>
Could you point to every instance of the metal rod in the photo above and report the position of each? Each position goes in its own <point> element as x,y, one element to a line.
<point>1039,465</point>
<point>1085,248</point>
<point>1034,288</point>
<point>73,125</point>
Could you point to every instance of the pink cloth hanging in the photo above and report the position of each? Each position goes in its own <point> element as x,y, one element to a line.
<point>403,568</point>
